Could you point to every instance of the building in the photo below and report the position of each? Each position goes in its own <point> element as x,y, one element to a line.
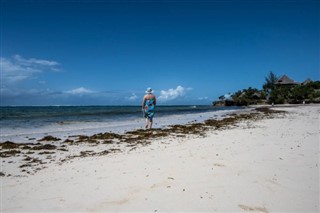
<point>285,80</point>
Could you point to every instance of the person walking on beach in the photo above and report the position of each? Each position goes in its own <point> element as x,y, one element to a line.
<point>148,106</point>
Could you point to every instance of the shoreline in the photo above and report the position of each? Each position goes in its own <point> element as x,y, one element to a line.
<point>64,130</point>
<point>34,155</point>
<point>282,105</point>
<point>133,153</point>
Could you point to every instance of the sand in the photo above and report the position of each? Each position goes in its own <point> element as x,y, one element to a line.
<point>269,165</point>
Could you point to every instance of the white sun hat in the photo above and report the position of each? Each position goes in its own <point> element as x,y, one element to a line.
<point>149,90</point>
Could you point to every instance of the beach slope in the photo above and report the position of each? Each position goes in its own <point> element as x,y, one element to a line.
<point>268,165</point>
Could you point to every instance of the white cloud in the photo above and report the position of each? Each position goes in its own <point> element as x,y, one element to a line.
<point>34,62</point>
<point>80,91</point>
<point>133,97</point>
<point>171,94</point>
<point>202,98</point>
<point>17,68</point>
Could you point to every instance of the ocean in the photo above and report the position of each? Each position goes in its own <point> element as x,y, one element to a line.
<point>21,122</point>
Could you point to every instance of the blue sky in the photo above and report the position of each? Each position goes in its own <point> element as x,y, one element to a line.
<point>101,52</point>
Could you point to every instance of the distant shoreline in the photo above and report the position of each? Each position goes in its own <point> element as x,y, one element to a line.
<point>282,105</point>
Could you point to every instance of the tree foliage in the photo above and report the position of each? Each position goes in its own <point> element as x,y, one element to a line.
<point>308,93</point>
<point>270,81</point>
<point>248,97</point>
<point>277,94</point>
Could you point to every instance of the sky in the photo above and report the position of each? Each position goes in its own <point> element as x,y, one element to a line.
<point>99,52</point>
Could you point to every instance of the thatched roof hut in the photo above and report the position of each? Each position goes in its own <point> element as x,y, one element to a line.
<point>285,80</point>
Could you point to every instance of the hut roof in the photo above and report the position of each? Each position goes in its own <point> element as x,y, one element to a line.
<point>307,81</point>
<point>286,80</point>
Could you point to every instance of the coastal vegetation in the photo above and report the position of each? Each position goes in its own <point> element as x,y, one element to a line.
<point>275,90</point>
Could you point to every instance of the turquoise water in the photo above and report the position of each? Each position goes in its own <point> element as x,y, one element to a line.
<point>43,115</point>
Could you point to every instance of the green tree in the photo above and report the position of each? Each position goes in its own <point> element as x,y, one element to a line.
<point>222,97</point>
<point>269,84</point>
<point>248,96</point>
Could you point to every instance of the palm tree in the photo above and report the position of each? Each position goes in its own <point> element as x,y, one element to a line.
<point>271,79</point>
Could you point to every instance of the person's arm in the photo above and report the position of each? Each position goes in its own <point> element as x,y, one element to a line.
<point>155,100</point>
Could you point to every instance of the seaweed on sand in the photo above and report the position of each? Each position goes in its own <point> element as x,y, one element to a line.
<point>49,138</point>
<point>68,141</point>
<point>45,147</point>
<point>10,153</point>
<point>145,134</point>
<point>195,128</point>
<point>46,153</point>
<point>13,145</point>
<point>95,139</point>
<point>38,146</point>
<point>9,145</point>
<point>268,111</point>
<point>106,135</point>
<point>142,136</point>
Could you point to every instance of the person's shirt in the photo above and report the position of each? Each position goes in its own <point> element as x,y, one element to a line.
<point>148,97</point>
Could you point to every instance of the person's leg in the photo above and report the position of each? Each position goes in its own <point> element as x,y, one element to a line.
<point>147,122</point>
<point>150,122</point>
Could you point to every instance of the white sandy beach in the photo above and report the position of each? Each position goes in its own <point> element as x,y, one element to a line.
<point>270,165</point>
